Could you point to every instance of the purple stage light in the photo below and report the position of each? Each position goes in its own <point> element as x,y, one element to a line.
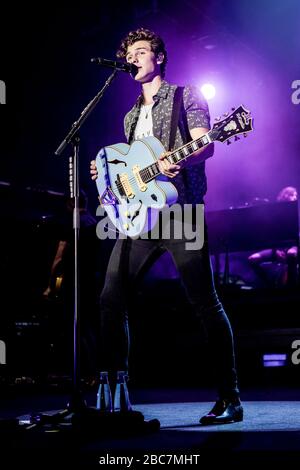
<point>274,360</point>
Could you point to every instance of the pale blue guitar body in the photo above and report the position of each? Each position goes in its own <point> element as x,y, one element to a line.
<point>130,185</point>
<point>135,210</point>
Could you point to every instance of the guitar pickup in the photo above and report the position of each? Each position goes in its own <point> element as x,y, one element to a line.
<point>136,172</point>
<point>126,186</point>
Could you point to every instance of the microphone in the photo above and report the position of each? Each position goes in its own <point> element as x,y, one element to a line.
<point>121,66</point>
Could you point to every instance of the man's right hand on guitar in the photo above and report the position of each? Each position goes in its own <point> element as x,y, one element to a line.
<point>93,170</point>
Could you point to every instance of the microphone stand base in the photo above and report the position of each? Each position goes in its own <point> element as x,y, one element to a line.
<point>91,421</point>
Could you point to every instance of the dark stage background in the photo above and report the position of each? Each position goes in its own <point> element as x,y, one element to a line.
<point>249,50</point>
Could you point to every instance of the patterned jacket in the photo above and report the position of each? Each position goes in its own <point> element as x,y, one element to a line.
<point>191,181</point>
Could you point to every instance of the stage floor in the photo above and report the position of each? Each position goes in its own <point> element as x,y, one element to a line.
<point>270,431</point>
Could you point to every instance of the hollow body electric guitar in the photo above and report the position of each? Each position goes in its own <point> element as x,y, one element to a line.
<point>131,188</point>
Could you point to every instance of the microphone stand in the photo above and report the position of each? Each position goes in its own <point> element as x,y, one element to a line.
<point>77,401</point>
<point>77,411</point>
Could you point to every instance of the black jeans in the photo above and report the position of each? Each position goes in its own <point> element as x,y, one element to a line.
<point>128,262</point>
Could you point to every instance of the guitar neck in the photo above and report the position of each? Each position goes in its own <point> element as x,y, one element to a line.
<point>182,153</point>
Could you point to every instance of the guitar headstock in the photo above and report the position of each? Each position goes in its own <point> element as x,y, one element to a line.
<point>237,122</point>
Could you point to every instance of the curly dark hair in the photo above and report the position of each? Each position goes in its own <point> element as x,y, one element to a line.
<point>142,34</point>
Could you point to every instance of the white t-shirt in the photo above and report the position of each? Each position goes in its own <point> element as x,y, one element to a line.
<point>144,127</point>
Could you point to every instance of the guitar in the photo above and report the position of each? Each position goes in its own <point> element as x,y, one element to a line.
<point>131,188</point>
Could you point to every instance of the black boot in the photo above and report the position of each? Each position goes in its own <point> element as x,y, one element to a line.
<point>224,411</point>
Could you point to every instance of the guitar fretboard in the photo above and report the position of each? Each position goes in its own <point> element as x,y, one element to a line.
<point>152,171</point>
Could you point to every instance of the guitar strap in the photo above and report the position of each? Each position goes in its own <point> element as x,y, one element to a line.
<point>177,103</point>
<point>179,119</point>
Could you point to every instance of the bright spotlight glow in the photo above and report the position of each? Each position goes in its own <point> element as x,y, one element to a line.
<point>208,91</point>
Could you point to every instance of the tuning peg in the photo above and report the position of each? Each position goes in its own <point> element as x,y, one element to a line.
<point>232,109</point>
<point>245,134</point>
<point>236,138</point>
<point>228,142</point>
<point>217,118</point>
<point>226,114</point>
